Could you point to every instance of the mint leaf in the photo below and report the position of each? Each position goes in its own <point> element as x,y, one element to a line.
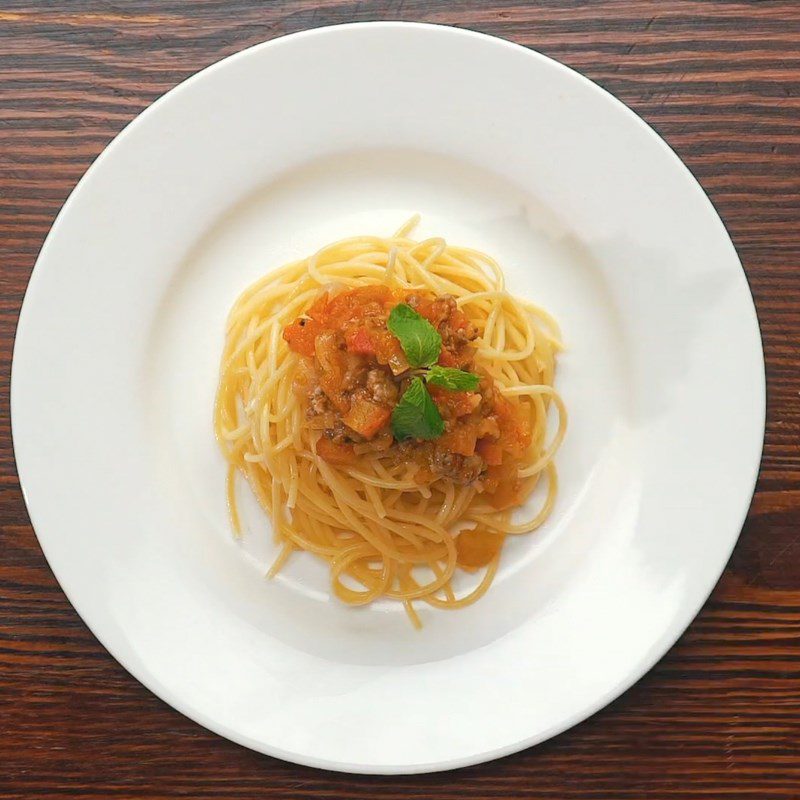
<point>454,379</point>
<point>420,341</point>
<point>416,415</point>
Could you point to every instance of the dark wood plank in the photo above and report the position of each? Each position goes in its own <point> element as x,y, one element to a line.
<point>719,717</point>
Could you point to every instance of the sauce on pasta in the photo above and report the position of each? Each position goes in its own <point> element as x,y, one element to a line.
<point>387,401</point>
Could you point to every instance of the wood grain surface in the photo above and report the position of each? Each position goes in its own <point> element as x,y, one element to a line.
<point>719,716</point>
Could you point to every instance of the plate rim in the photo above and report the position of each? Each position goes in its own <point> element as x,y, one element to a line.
<point>671,635</point>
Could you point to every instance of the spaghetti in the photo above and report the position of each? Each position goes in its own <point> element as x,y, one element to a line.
<point>317,383</point>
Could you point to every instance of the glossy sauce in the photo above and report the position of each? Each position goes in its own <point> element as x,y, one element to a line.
<point>355,371</point>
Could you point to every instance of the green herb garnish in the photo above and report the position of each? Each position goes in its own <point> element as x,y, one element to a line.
<point>454,379</point>
<point>420,341</point>
<point>416,415</point>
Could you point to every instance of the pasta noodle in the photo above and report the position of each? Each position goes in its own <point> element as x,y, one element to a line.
<point>382,533</point>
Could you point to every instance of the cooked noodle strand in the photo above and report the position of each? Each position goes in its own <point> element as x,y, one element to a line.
<point>382,533</point>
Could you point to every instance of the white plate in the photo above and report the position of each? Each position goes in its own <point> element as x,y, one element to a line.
<point>339,131</point>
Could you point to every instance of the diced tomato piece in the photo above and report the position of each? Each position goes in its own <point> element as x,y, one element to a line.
<point>490,452</point>
<point>359,341</point>
<point>335,453</point>
<point>331,363</point>
<point>477,548</point>
<point>317,310</point>
<point>425,308</point>
<point>301,336</point>
<point>461,440</point>
<point>515,429</point>
<point>366,417</point>
<point>459,358</point>
<point>502,482</point>
<point>458,320</point>
<point>454,404</point>
<point>388,351</point>
<point>351,306</point>
<point>447,359</point>
<point>464,403</point>
<point>488,427</point>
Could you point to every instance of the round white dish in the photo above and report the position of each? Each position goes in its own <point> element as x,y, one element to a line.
<point>347,130</point>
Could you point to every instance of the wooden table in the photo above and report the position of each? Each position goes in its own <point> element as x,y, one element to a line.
<point>719,717</point>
